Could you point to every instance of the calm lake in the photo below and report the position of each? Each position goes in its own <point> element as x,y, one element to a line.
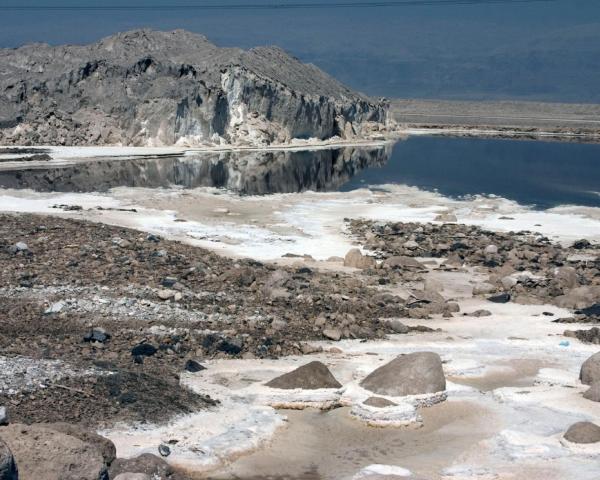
<point>542,174</point>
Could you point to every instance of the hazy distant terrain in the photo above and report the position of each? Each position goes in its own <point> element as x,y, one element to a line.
<point>504,114</point>
<point>541,51</point>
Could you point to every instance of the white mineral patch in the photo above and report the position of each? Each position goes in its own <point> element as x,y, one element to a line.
<point>374,471</point>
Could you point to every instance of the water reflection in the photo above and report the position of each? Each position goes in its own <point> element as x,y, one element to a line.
<point>252,173</point>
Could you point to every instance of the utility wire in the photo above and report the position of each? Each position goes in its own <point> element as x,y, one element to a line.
<point>274,6</point>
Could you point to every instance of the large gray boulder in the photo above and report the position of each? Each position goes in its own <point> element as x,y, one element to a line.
<point>583,432</point>
<point>412,374</point>
<point>148,87</point>
<point>311,376</point>
<point>590,370</point>
<point>8,469</point>
<point>42,453</point>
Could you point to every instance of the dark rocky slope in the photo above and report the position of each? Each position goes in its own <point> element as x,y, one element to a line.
<point>159,88</point>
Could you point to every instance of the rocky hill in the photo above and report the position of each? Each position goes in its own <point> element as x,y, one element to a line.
<point>148,87</point>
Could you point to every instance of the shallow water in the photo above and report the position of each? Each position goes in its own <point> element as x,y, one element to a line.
<point>530,172</point>
<point>540,174</point>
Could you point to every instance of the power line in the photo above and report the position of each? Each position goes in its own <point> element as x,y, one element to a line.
<point>274,6</point>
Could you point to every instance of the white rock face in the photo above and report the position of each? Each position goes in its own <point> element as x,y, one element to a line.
<point>151,88</point>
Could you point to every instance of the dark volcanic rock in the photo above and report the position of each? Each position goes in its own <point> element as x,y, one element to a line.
<point>308,377</point>
<point>143,350</point>
<point>150,87</point>
<point>583,432</point>
<point>501,298</point>
<point>194,366</point>
<point>412,374</point>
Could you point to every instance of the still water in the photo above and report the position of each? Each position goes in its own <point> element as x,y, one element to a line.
<point>537,173</point>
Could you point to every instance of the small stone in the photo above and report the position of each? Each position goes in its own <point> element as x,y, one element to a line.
<point>166,294</point>
<point>221,210</point>
<point>502,298</point>
<point>164,450</point>
<point>446,218</point>
<point>355,259</point>
<point>581,244</point>
<point>97,335</point>
<point>491,250</point>
<point>379,402</point>
<point>398,327</point>
<point>332,334</point>
<point>55,308</point>
<point>21,247</point>
<point>483,288</point>
<point>168,282</point>
<point>143,350</point>
<point>411,245</point>
<point>481,313</point>
<point>193,366</point>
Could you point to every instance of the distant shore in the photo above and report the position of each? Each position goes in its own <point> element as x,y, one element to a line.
<point>499,119</point>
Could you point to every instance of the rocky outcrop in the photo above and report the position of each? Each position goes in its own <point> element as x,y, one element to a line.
<point>161,88</point>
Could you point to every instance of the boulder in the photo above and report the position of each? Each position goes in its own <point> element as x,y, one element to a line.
<point>355,259</point>
<point>579,297</point>
<point>311,376</point>
<point>446,218</point>
<point>481,313</point>
<point>398,327</point>
<point>106,447</point>
<point>43,453</point>
<point>583,432</point>
<point>483,288</point>
<point>593,393</point>
<point>402,262</point>
<point>491,250</point>
<point>143,350</point>
<point>8,469</point>
<point>566,277</point>
<point>501,298</point>
<point>379,402</point>
<point>332,334</point>
<point>193,366</point>
<point>412,374</point>
<point>590,370</point>
<point>148,464</point>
